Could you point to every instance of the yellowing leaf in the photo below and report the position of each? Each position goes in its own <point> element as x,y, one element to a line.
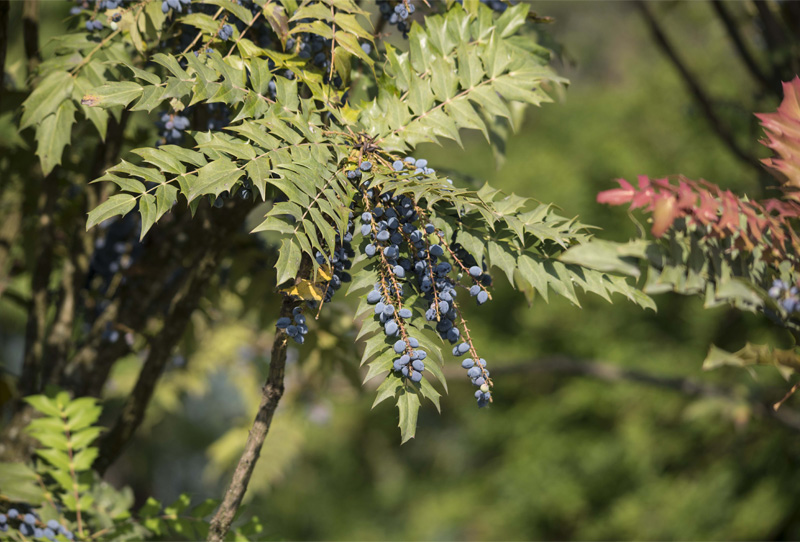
<point>307,290</point>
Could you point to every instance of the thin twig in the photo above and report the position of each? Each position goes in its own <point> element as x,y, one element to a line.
<point>271,395</point>
<point>694,87</point>
<point>30,34</point>
<point>738,42</point>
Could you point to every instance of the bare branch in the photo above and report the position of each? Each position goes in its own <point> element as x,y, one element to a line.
<point>694,88</point>
<point>214,227</point>
<point>30,34</point>
<point>271,394</point>
<point>36,327</point>
<point>5,7</point>
<point>741,48</point>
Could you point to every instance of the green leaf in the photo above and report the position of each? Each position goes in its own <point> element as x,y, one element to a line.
<point>213,178</point>
<point>45,405</point>
<point>607,256</point>
<point>18,482</point>
<point>46,97</point>
<point>288,263</point>
<point>408,406</point>
<point>53,134</point>
<point>147,209</point>
<point>119,204</point>
<point>117,93</point>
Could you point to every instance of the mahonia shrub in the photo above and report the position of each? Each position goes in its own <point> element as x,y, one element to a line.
<point>344,192</point>
<point>304,114</point>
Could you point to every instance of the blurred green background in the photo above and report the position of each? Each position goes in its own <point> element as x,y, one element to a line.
<point>557,456</point>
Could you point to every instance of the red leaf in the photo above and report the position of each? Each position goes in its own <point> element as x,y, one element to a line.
<point>665,211</point>
<point>617,196</point>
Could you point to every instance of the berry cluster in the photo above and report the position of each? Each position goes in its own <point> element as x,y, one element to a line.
<point>785,295</point>
<point>225,33</point>
<point>171,127</point>
<point>397,14</point>
<point>295,327</point>
<point>476,371</point>
<point>177,5</point>
<point>411,254</point>
<point>497,5</point>
<point>339,261</point>
<point>29,525</point>
<point>93,25</point>
<point>102,5</point>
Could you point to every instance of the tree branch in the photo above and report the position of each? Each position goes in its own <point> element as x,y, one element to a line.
<point>613,373</point>
<point>741,48</point>
<point>776,42</point>
<point>217,226</point>
<point>5,7</point>
<point>694,88</point>
<point>36,327</point>
<point>271,394</point>
<point>30,34</point>
<point>132,415</point>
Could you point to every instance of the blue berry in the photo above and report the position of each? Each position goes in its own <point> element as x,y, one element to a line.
<point>482,297</point>
<point>400,346</point>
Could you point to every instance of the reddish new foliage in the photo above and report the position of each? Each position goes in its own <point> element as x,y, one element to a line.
<point>782,129</point>
<point>723,214</point>
<point>706,204</point>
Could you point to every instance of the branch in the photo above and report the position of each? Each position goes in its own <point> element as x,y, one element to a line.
<point>741,48</point>
<point>694,88</point>
<point>30,34</point>
<point>218,226</point>
<point>271,394</point>
<point>776,42</point>
<point>36,327</point>
<point>78,259</point>
<point>5,7</point>
<point>132,415</point>
<point>614,373</point>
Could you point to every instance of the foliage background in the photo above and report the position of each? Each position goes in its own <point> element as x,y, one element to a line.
<point>556,456</point>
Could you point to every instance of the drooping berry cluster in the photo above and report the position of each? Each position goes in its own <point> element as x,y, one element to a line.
<point>172,126</point>
<point>177,5</point>
<point>397,13</point>
<point>476,371</point>
<point>411,257</point>
<point>785,295</point>
<point>30,525</point>
<point>340,262</point>
<point>295,327</point>
<point>226,32</point>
